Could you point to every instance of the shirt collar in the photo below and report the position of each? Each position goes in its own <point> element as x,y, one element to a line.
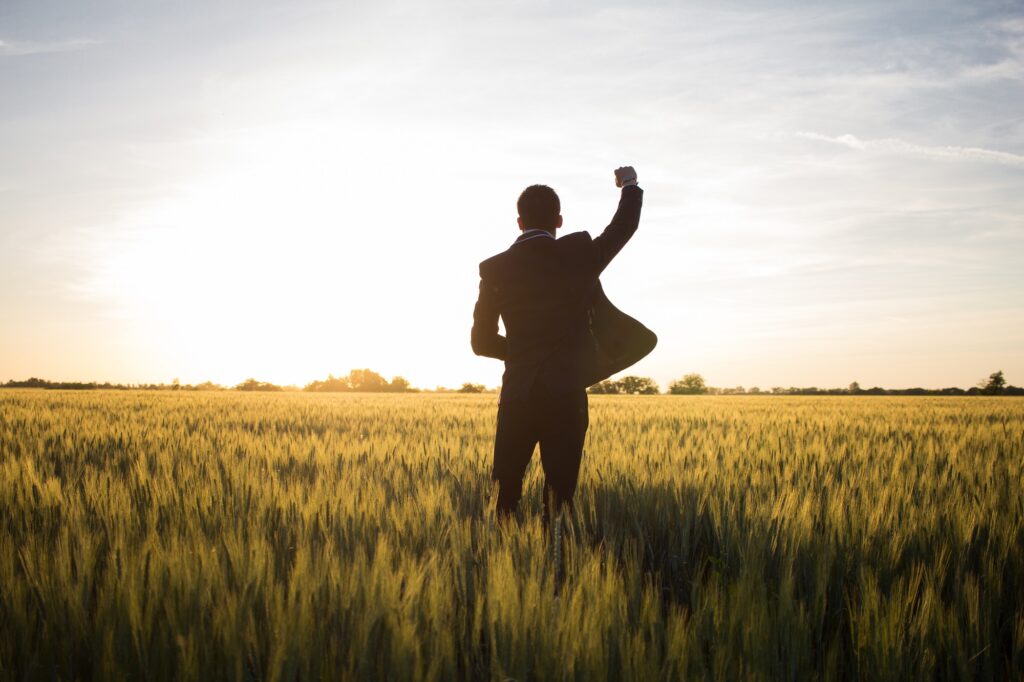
<point>533,234</point>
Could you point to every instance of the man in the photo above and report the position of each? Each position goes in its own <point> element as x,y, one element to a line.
<point>562,335</point>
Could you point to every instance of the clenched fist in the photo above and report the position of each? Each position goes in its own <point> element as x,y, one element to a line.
<point>625,176</point>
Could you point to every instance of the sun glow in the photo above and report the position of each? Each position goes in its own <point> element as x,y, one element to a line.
<point>282,260</point>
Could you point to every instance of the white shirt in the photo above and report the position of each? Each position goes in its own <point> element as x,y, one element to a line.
<point>535,233</point>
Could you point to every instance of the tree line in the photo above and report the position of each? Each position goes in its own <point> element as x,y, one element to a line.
<point>694,384</point>
<point>368,381</point>
<point>175,385</point>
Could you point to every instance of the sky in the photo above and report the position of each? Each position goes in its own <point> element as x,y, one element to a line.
<point>834,192</point>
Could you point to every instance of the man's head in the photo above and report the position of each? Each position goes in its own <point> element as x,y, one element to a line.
<point>539,209</point>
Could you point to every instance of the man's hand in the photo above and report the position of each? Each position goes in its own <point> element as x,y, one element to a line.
<point>625,176</point>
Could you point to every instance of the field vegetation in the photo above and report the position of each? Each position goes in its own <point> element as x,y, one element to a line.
<point>270,536</point>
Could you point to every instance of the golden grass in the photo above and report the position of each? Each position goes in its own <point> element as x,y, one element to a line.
<point>294,536</point>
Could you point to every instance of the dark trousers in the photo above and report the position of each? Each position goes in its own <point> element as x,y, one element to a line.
<point>559,423</point>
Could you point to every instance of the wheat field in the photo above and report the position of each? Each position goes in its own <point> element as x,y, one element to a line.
<point>305,537</point>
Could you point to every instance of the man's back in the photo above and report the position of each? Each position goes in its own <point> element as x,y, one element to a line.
<point>548,294</point>
<point>542,288</point>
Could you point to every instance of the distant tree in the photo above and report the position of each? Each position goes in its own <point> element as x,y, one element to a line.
<point>606,387</point>
<point>995,384</point>
<point>330,385</point>
<point>253,385</point>
<point>399,385</point>
<point>754,390</point>
<point>366,381</point>
<point>634,385</point>
<point>208,386</point>
<point>175,384</point>
<point>472,388</point>
<point>691,384</point>
<point>854,388</point>
<point>779,390</point>
<point>31,382</point>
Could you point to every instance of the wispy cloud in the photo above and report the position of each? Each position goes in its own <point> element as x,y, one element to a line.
<point>892,145</point>
<point>10,48</point>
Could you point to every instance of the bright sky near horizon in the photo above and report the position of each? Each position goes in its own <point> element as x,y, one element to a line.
<point>833,191</point>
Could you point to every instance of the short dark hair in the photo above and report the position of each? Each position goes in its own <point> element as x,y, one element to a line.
<point>539,207</point>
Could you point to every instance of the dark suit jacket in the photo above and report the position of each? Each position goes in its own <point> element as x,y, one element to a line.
<point>561,329</point>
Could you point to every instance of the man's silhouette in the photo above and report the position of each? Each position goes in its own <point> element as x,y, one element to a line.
<point>562,335</point>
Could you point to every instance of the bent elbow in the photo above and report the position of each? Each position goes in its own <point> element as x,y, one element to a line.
<point>476,346</point>
<point>488,345</point>
<point>477,343</point>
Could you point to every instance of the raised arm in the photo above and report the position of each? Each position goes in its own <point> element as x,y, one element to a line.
<point>484,337</point>
<point>624,222</point>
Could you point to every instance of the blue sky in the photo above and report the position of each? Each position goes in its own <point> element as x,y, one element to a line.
<point>224,190</point>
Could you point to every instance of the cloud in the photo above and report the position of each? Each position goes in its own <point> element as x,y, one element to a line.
<point>892,145</point>
<point>22,48</point>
